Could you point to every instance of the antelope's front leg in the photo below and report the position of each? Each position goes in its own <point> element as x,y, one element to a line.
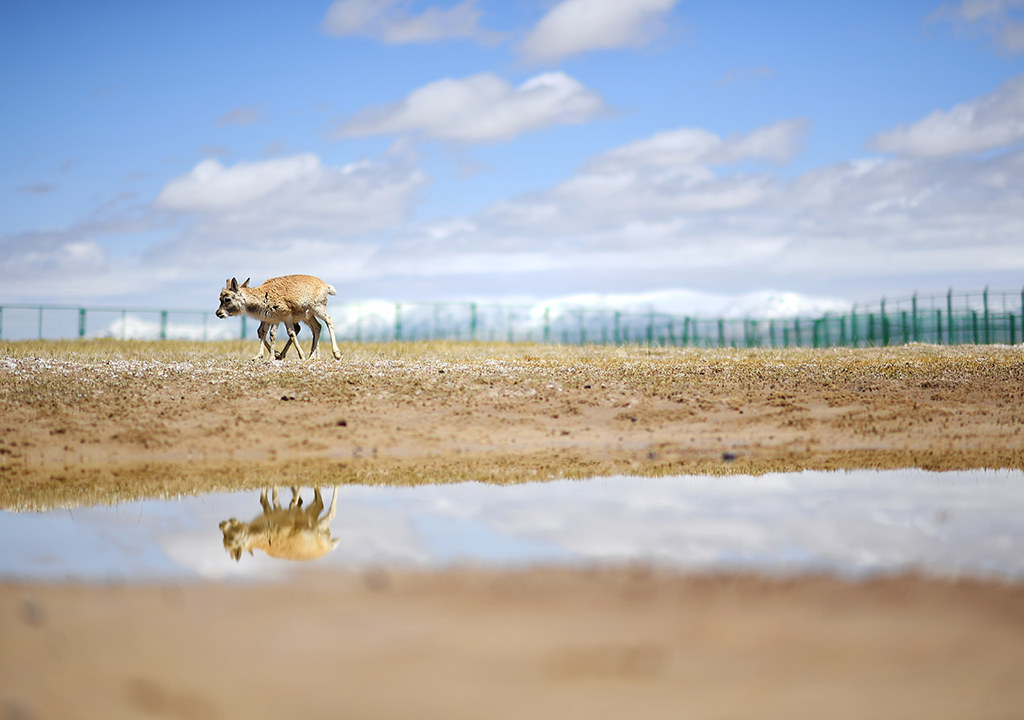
<point>266,332</point>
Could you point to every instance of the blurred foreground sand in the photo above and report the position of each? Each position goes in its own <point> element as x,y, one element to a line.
<point>533,644</point>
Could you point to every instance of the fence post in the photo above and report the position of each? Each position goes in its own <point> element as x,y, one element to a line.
<point>842,331</point>
<point>721,332</point>
<point>796,332</point>
<point>81,322</point>
<point>650,330</point>
<point>583,329</point>
<point>853,326</point>
<point>547,325</point>
<point>243,327</point>
<point>885,325</point>
<point>938,327</point>
<point>472,321</point>
<point>398,321</point>
<point>913,307</point>
<point>984,296</point>
<point>163,324</point>
<point>949,313</point>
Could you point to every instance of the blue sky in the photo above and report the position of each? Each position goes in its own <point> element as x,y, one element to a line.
<point>428,151</point>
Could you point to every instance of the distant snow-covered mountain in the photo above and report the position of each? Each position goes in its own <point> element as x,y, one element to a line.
<point>766,304</point>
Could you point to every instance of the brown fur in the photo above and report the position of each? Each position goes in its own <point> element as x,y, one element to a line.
<point>289,300</point>
<point>292,534</point>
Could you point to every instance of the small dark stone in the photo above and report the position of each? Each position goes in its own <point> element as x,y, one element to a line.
<point>14,710</point>
<point>284,397</point>
<point>440,372</point>
<point>728,456</point>
<point>32,613</point>
<point>342,423</point>
<point>376,579</point>
<point>586,387</point>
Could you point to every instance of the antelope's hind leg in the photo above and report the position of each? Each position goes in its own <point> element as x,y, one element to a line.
<point>293,329</point>
<point>280,355</point>
<point>316,327</point>
<point>321,312</point>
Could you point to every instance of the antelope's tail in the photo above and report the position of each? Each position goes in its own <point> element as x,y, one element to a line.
<point>331,290</point>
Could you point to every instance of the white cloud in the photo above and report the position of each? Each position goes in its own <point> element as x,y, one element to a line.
<point>662,179</point>
<point>55,253</point>
<point>1000,19</point>
<point>777,143</point>
<point>248,115</point>
<point>481,108</point>
<point>576,26</point>
<point>665,206</point>
<point>683,208</point>
<point>991,121</point>
<point>295,194</point>
<point>387,21</point>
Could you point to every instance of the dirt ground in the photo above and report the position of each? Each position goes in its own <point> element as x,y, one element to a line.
<point>107,421</point>
<point>104,422</point>
<point>534,644</point>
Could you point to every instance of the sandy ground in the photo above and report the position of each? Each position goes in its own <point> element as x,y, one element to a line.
<point>84,423</point>
<point>538,644</point>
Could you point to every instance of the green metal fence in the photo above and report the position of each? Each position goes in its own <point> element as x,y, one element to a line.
<point>950,319</point>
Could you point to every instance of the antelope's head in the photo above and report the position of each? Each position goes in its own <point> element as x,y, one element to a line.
<point>235,536</point>
<point>231,300</point>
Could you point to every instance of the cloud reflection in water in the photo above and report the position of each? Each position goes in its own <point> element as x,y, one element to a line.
<point>848,523</point>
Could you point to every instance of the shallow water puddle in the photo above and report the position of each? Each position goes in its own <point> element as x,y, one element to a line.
<point>848,523</point>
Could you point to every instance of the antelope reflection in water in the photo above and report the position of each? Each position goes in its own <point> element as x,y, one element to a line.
<point>294,533</point>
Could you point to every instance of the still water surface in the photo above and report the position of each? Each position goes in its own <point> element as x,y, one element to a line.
<point>855,523</point>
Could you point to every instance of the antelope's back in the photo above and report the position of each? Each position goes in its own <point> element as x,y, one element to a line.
<point>303,290</point>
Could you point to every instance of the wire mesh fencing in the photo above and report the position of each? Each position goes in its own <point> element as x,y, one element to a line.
<point>956,318</point>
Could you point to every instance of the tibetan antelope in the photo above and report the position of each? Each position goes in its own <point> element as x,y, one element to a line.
<point>290,534</point>
<point>289,300</point>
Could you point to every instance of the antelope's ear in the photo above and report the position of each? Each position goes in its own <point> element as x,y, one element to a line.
<point>246,283</point>
<point>233,285</point>
<point>227,283</point>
